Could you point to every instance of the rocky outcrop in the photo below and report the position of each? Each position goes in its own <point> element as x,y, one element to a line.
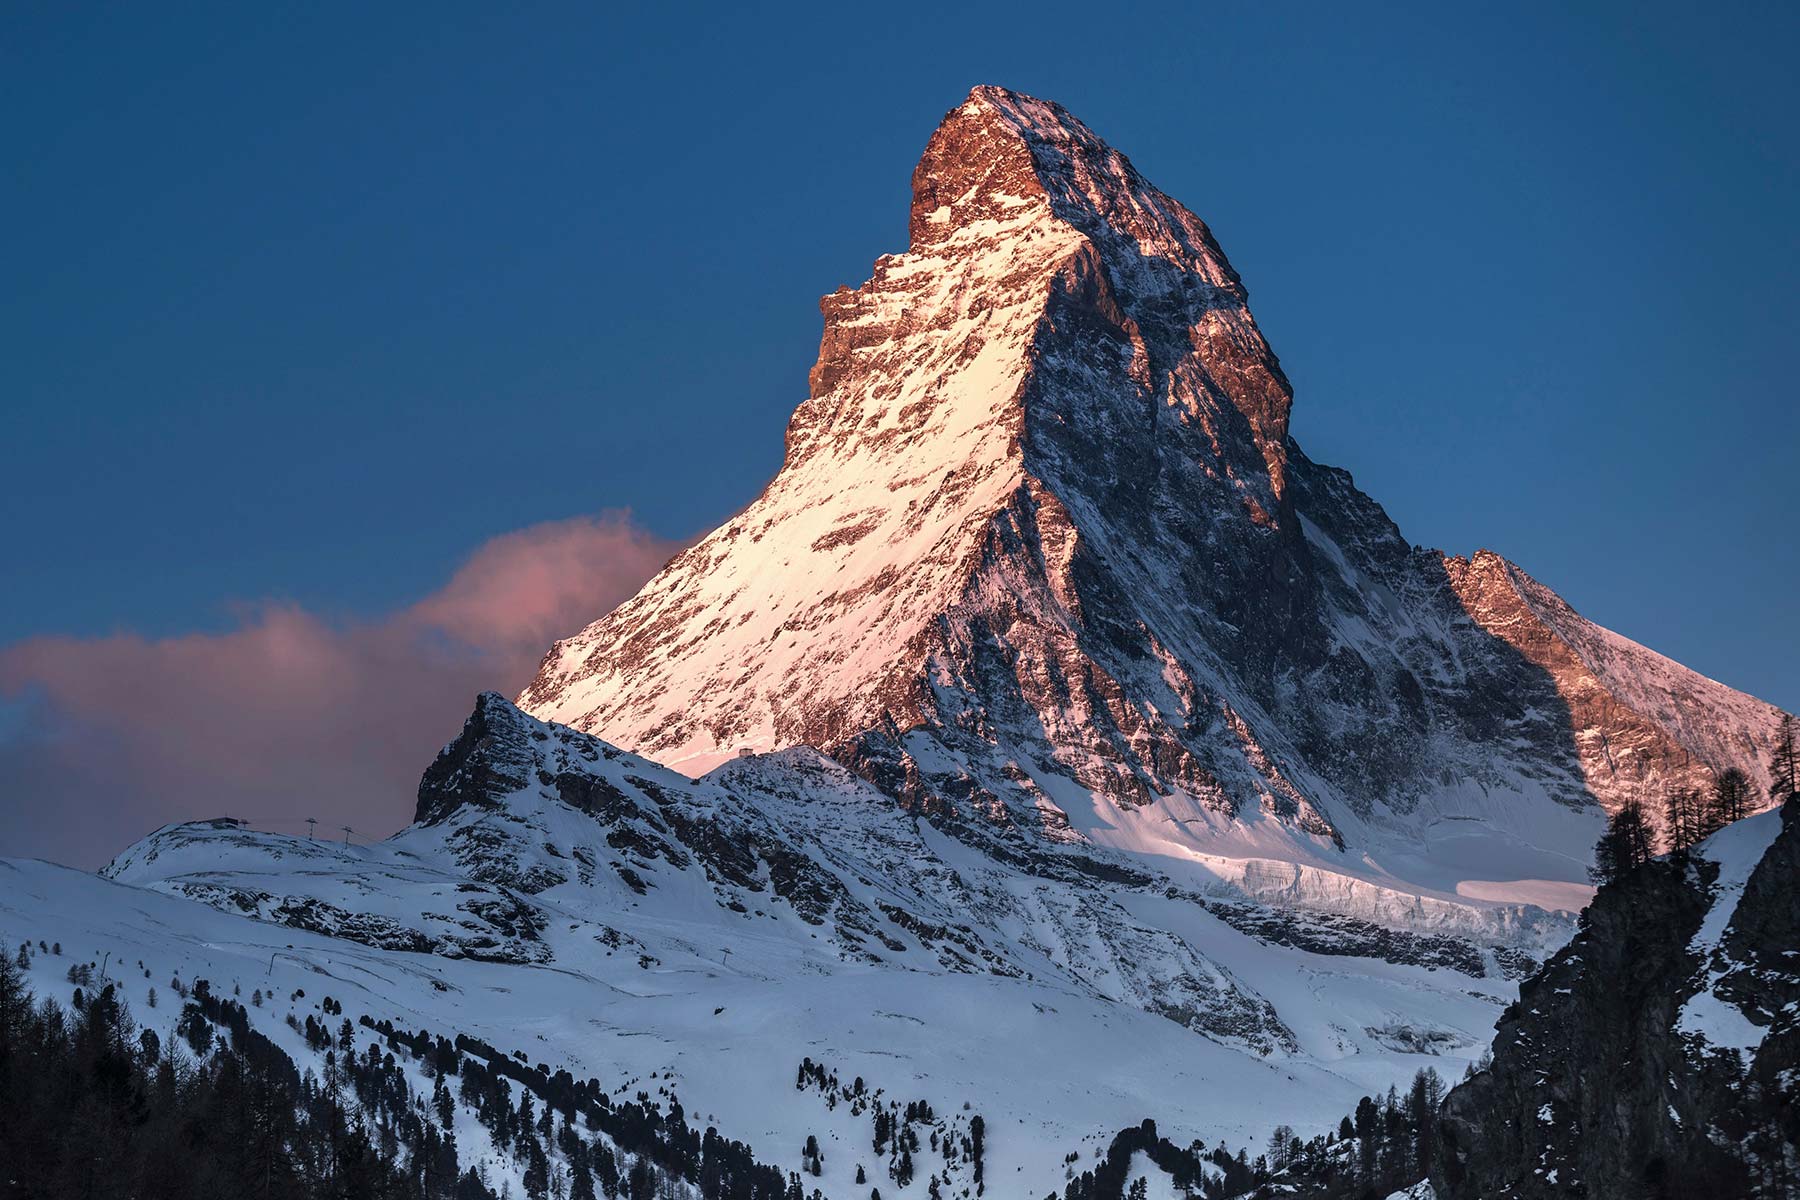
<point>1658,1054</point>
<point>536,842</point>
<point>501,752</point>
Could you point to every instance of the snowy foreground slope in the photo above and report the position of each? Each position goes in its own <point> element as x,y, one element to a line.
<point>716,933</point>
<point>1049,1070</point>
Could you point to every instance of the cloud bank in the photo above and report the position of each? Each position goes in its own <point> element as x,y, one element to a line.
<point>288,715</point>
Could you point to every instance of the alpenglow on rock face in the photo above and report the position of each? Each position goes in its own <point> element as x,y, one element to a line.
<point>1043,554</point>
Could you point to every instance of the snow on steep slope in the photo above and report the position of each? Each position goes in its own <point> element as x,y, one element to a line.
<point>1043,562</point>
<point>902,462</point>
<point>906,491</point>
<point>1711,1014</point>
<point>527,830</point>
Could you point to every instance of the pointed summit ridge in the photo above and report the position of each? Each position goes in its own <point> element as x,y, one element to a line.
<point>1063,349</point>
<point>1014,198</point>
<point>1176,294</point>
<point>1000,147</point>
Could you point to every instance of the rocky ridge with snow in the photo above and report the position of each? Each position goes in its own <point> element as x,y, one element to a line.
<point>614,919</point>
<point>525,829</point>
<point>1658,1054</point>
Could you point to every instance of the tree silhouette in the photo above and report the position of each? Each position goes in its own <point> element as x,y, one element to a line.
<point>1730,800</point>
<point>1784,765</point>
<point>1625,846</point>
<point>1683,818</point>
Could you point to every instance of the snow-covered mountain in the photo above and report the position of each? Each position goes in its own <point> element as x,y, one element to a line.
<point>1042,557</point>
<point>1051,737</point>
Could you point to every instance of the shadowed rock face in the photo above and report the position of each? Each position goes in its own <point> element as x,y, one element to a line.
<point>501,752</point>
<point>1602,1087</point>
<point>1640,722</point>
<point>1041,524</point>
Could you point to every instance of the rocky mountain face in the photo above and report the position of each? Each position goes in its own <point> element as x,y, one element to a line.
<point>1640,722</point>
<point>1658,1054</point>
<point>1042,552</point>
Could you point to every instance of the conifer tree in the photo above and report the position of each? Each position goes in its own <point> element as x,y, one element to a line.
<point>1624,846</point>
<point>1681,818</point>
<point>1280,1138</point>
<point>640,1184</point>
<point>14,1003</point>
<point>1730,801</point>
<point>606,1167</point>
<point>1421,1111</point>
<point>537,1172</point>
<point>1635,824</point>
<point>1784,764</point>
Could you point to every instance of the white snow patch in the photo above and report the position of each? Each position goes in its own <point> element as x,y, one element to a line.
<point>1737,849</point>
<point>1158,1185</point>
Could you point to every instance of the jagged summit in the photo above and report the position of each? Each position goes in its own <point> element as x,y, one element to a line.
<point>1015,195</point>
<point>1000,147</point>
<point>1043,560</point>
<point>1061,336</point>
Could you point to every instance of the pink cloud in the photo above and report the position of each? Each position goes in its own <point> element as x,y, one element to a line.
<point>288,715</point>
<point>524,589</point>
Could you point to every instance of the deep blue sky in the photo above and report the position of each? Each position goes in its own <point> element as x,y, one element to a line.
<point>309,305</point>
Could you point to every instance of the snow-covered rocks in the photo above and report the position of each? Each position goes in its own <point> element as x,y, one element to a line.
<point>719,931</point>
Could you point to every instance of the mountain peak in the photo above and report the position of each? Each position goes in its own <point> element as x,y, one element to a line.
<point>1042,556</point>
<point>1028,231</point>
<point>1062,359</point>
<point>1001,150</point>
<point>979,164</point>
<point>1004,165</point>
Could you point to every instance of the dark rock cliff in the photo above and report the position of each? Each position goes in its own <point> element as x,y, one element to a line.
<point>1608,1077</point>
